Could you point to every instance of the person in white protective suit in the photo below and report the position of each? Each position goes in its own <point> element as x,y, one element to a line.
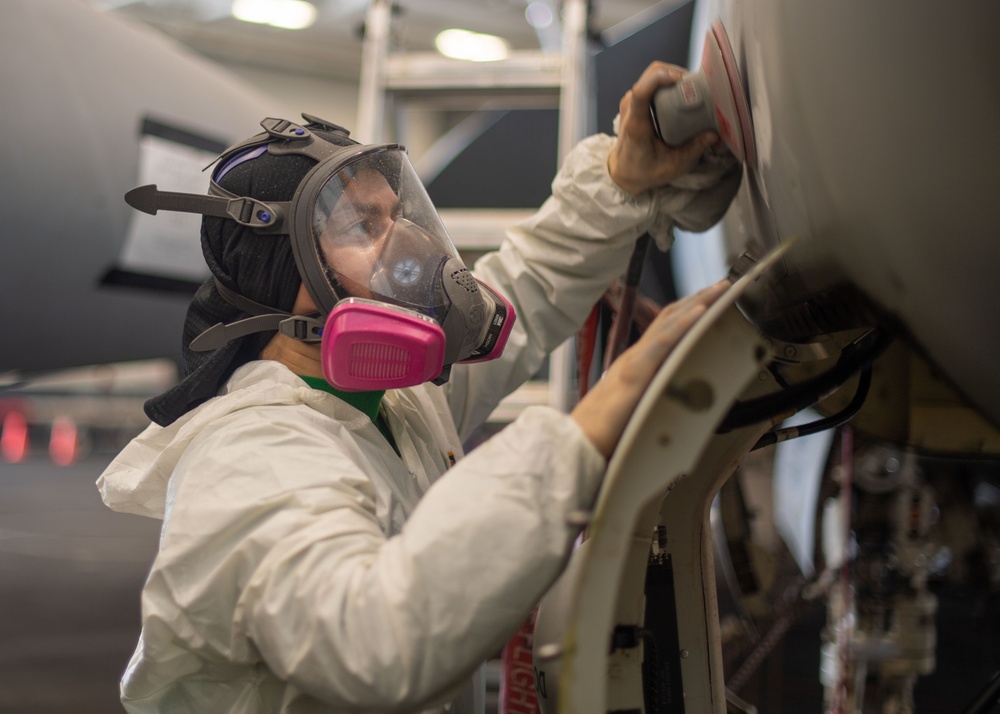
<point>325,545</point>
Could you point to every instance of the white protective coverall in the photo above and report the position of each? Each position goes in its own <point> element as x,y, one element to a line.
<point>305,567</point>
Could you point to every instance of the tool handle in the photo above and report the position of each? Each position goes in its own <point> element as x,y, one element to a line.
<point>683,110</point>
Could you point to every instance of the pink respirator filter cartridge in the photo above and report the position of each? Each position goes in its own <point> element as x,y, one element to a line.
<point>373,346</point>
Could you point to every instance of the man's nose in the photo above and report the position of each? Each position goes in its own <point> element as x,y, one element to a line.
<point>382,239</point>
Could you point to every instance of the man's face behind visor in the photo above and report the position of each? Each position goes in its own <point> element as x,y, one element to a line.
<point>379,236</point>
<point>355,232</point>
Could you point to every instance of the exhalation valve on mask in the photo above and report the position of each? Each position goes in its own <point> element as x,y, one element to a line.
<point>407,273</point>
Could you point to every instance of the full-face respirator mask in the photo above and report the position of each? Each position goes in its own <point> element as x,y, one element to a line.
<point>397,305</point>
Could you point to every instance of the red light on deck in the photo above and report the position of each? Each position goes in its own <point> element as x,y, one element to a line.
<point>64,442</point>
<point>14,439</point>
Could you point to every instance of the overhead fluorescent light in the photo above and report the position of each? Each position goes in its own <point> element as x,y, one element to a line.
<point>258,11</point>
<point>286,14</point>
<point>474,46</point>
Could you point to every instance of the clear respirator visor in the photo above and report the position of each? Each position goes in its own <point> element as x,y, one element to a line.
<point>377,235</point>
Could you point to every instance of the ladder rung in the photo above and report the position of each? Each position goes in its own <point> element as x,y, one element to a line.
<point>480,228</point>
<point>523,69</point>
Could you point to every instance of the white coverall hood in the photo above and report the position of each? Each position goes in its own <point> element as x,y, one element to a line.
<point>138,479</point>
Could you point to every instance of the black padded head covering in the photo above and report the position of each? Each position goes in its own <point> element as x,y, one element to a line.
<point>260,267</point>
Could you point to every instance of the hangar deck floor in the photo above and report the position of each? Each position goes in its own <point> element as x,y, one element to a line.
<point>70,574</point>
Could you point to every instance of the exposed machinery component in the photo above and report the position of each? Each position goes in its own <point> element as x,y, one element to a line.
<point>881,632</point>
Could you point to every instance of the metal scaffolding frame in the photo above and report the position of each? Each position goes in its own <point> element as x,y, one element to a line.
<point>564,80</point>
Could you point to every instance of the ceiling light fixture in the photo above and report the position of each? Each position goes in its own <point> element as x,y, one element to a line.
<point>286,14</point>
<point>474,46</point>
<point>539,14</point>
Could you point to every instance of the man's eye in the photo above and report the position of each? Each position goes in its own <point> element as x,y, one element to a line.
<point>360,228</point>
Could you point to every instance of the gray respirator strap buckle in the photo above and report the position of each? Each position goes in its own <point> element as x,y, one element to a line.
<point>265,319</point>
<point>258,215</point>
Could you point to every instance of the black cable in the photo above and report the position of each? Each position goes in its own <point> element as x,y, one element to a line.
<point>779,378</point>
<point>807,393</point>
<point>987,698</point>
<point>622,324</point>
<point>830,422</point>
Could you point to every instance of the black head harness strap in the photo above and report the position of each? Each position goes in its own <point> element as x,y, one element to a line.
<point>263,217</point>
<point>270,218</point>
<point>299,327</point>
<point>249,212</point>
<point>281,137</point>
